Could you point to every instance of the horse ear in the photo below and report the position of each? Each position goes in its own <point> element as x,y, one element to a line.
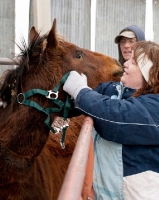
<point>33,34</point>
<point>52,39</point>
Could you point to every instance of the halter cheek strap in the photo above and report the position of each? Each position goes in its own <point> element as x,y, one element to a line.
<point>61,105</point>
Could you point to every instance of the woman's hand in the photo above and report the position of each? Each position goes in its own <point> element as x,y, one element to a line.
<point>74,83</point>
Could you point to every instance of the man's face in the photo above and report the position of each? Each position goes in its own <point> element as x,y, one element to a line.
<point>125,47</point>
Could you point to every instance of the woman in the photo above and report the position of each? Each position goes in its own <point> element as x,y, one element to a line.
<point>126,121</point>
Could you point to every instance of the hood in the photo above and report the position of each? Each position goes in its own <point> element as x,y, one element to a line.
<point>140,35</point>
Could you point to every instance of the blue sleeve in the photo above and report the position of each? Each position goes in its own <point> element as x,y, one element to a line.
<point>107,88</point>
<point>127,121</point>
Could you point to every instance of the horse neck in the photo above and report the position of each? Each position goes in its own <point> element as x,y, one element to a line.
<point>23,131</point>
<point>12,166</point>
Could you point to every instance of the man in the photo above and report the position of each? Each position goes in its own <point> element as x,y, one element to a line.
<point>126,38</point>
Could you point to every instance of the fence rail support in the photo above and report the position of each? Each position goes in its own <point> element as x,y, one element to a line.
<point>74,178</point>
<point>8,61</point>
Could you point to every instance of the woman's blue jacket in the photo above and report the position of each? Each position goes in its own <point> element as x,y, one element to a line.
<point>132,122</point>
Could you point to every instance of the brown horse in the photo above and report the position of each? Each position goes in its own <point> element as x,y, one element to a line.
<point>32,162</point>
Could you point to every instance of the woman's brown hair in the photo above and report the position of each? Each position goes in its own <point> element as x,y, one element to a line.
<point>151,50</point>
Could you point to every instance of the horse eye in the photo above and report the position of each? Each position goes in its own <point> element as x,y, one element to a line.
<point>79,56</point>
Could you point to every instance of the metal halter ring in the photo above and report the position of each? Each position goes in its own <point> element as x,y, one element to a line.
<point>20,102</point>
<point>50,92</point>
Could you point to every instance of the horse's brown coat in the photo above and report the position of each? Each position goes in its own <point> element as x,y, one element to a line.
<point>32,162</point>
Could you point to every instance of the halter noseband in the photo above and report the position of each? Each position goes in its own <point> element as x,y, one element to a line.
<point>62,105</point>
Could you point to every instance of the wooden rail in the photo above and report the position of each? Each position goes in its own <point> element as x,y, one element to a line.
<point>72,187</point>
<point>8,61</point>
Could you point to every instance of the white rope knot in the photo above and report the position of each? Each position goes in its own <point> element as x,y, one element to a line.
<point>3,104</point>
<point>59,123</point>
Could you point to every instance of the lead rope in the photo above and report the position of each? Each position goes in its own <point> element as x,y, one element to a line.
<point>65,106</point>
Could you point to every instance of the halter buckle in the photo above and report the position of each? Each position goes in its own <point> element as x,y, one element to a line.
<point>50,92</point>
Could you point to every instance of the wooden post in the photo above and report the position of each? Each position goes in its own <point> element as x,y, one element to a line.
<point>42,15</point>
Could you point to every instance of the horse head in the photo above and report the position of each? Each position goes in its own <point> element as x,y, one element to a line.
<point>27,92</point>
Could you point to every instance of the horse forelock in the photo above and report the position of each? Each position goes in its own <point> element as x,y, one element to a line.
<point>35,50</point>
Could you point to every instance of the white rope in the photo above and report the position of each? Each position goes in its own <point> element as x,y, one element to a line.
<point>138,124</point>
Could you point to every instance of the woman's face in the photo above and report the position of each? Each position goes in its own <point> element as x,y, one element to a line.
<point>132,77</point>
